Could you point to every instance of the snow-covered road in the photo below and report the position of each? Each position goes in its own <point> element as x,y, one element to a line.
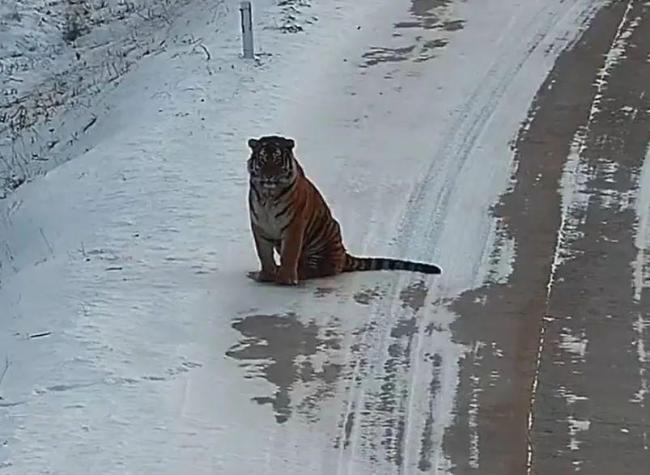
<point>134,341</point>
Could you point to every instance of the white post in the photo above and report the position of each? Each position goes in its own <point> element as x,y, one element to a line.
<point>247,28</point>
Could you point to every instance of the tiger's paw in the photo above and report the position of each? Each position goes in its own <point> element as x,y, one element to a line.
<point>262,276</point>
<point>285,277</point>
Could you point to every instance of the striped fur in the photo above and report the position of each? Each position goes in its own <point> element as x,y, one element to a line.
<point>289,216</point>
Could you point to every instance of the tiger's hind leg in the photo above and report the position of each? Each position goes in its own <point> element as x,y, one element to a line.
<point>315,273</point>
<point>315,267</point>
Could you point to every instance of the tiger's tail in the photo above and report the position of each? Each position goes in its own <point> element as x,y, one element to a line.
<point>355,264</point>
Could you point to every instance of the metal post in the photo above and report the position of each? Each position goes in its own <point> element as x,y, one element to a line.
<point>247,28</point>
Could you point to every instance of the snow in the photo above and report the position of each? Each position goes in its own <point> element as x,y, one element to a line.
<point>574,344</point>
<point>133,254</point>
<point>641,280</point>
<point>642,238</point>
<point>575,425</point>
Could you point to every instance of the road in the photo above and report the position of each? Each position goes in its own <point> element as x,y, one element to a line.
<point>503,140</point>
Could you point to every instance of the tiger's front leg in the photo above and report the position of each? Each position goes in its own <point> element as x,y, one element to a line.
<point>269,269</point>
<point>292,241</point>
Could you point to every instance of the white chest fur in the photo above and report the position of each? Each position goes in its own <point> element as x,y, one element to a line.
<point>266,217</point>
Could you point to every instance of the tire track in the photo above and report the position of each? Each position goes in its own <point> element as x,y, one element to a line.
<point>509,316</point>
<point>465,132</point>
<point>593,334</point>
<point>433,194</point>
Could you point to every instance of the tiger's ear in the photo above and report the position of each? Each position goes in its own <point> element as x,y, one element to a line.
<point>289,143</point>
<point>253,143</point>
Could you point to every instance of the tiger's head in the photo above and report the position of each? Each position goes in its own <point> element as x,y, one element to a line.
<point>271,165</point>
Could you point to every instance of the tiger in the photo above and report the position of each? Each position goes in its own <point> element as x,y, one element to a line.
<point>288,214</point>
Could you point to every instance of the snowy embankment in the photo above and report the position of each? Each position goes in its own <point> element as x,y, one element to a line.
<point>58,58</point>
<point>135,341</point>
